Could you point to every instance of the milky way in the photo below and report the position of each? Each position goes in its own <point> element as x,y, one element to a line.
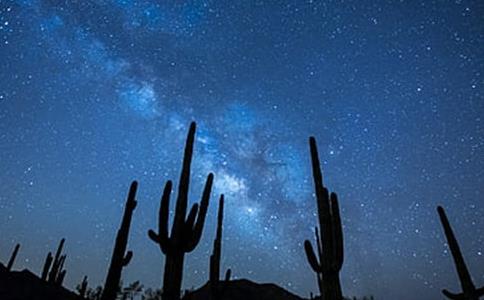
<point>95,94</point>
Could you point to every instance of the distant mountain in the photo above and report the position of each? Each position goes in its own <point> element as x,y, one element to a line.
<point>244,289</point>
<point>25,285</point>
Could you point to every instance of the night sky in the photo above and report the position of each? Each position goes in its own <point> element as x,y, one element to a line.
<point>95,94</point>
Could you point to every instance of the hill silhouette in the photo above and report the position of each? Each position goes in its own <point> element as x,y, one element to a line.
<point>242,289</point>
<point>23,285</point>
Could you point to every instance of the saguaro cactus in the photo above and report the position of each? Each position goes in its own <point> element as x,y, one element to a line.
<point>120,259</point>
<point>12,257</point>
<point>329,260</point>
<point>469,290</point>
<point>186,231</point>
<point>216,254</point>
<point>57,272</point>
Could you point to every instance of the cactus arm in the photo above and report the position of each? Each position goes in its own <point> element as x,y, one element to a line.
<point>164,214</point>
<point>313,261</point>
<point>198,227</point>
<point>60,279</point>
<point>453,296</point>
<point>190,221</point>
<point>155,238</point>
<point>462,271</point>
<point>228,273</point>
<point>127,258</point>
<point>318,241</point>
<point>61,263</point>
<point>47,264</point>
<point>161,237</point>
<point>59,249</point>
<point>337,233</point>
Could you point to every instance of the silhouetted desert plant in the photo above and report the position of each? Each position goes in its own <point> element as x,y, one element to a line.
<point>131,291</point>
<point>469,291</point>
<point>55,265</point>
<point>186,231</point>
<point>81,288</point>
<point>12,257</point>
<point>329,260</point>
<point>214,277</point>
<point>120,257</point>
<point>94,293</point>
<point>151,294</point>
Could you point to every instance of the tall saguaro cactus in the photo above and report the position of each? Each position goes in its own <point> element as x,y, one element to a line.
<point>12,257</point>
<point>120,257</point>
<point>329,260</point>
<point>216,254</point>
<point>187,230</point>
<point>469,290</point>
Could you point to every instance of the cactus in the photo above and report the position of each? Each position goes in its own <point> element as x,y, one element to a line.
<point>12,257</point>
<point>329,260</point>
<point>82,287</point>
<point>469,290</point>
<point>55,265</point>
<point>186,231</point>
<point>214,278</point>
<point>120,259</point>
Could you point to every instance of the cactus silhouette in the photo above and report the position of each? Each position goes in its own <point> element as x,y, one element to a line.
<point>215,291</point>
<point>329,260</point>
<point>55,265</point>
<point>120,259</point>
<point>12,257</point>
<point>469,291</point>
<point>82,287</point>
<point>186,230</point>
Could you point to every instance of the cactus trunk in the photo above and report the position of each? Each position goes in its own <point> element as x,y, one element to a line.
<point>328,260</point>
<point>120,258</point>
<point>332,286</point>
<point>172,283</point>
<point>187,230</point>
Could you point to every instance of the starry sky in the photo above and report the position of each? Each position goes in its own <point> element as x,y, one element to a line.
<point>95,94</point>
